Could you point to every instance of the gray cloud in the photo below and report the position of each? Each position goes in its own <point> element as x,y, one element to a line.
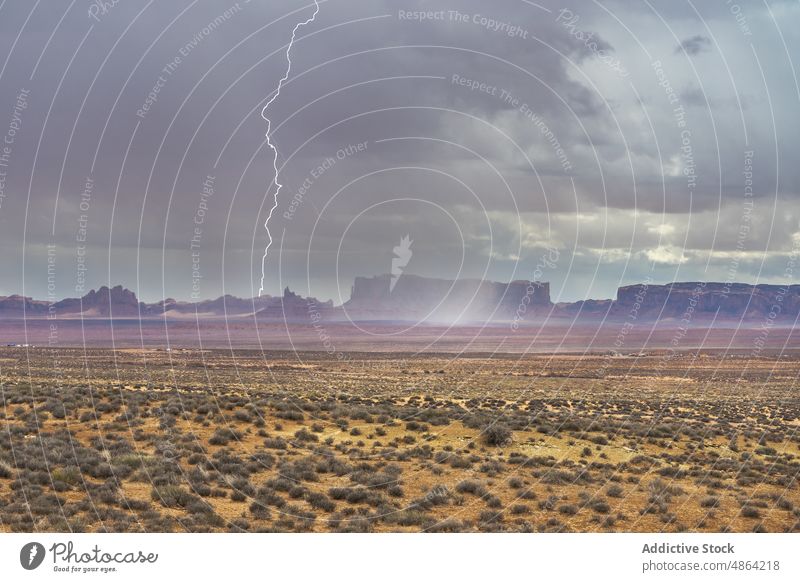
<point>694,45</point>
<point>490,134</point>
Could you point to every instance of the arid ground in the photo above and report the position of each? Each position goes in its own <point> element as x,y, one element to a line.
<point>540,337</point>
<point>222,440</point>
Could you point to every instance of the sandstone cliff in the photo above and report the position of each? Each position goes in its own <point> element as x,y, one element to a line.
<point>420,298</point>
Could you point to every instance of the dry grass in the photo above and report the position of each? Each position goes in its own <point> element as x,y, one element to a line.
<point>190,441</point>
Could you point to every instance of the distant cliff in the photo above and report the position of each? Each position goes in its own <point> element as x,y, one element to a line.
<point>14,306</point>
<point>417,298</point>
<point>104,302</point>
<point>420,298</point>
<point>117,300</point>
<point>293,307</point>
<point>687,302</point>
<point>704,300</point>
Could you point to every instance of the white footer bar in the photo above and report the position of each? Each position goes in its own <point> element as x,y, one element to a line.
<point>400,557</point>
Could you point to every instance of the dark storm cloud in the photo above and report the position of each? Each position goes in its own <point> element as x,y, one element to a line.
<point>694,45</point>
<point>506,125</point>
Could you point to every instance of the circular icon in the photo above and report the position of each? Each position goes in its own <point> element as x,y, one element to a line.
<point>31,555</point>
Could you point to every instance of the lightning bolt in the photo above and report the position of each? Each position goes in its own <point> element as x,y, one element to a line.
<point>278,185</point>
<point>32,555</point>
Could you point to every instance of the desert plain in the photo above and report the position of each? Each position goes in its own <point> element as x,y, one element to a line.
<point>246,440</point>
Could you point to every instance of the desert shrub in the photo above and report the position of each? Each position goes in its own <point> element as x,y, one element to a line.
<point>378,480</point>
<point>172,496</point>
<point>417,426</point>
<point>242,416</point>
<point>222,436</point>
<point>243,485</point>
<point>568,509</point>
<point>135,504</point>
<point>268,496</point>
<point>357,495</point>
<point>449,525</point>
<point>554,525</point>
<point>673,472</point>
<point>339,493</point>
<point>473,487</point>
<point>239,524</point>
<point>46,505</point>
<point>290,414</point>
<point>709,501</point>
<point>519,509</point>
<point>492,468</point>
<point>490,516</point>
<point>297,492</point>
<point>614,491</point>
<point>259,510</point>
<point>202,489</point>
<point>101,471</point>
<point>560,477</point>
<point>549,503</point>
<point>442,457</point>
<point>5,471</point>
<point>303,435</point>
<point>515,458</point>
<point>660,488</point>
<point>354,525</point>
<point>609,521</point>
<point>68,475</point>
<point>750,512</point>
<point>497,435</point>
<point>275,443</point>
<point>320,501</point>
<point>262,460</point>
<point>515,483</point>
<point>408,517</point>
<point>137,460</point>
<point>280,484</point>
<point>198,506</point>
<point>494,502</point>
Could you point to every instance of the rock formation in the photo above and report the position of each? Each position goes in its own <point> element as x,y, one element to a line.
<point>440,300</point>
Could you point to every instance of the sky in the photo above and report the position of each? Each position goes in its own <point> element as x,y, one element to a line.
<point>589,144</point>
